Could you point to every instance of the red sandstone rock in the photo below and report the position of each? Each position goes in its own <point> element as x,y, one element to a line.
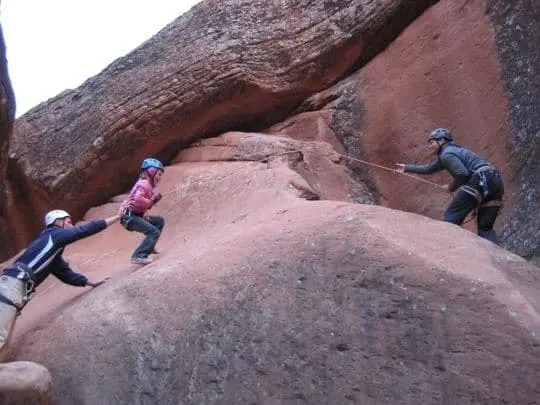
<point>262,296</point>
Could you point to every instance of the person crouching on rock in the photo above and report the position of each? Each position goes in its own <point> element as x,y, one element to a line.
<point>42,257</point>
<point>479,182</point>
<point>142,197</point>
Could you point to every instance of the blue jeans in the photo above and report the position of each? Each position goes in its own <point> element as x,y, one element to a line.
<point>151,229</point>
<point>463,203</point>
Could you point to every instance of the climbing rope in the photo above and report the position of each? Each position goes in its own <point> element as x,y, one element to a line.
<point>471,216</point>
<point>392,170</point>
<point>374,165</point>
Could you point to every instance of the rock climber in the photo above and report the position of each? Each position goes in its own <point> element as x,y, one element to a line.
<point>478,183</point>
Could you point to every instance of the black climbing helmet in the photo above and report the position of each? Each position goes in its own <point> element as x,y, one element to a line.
<point>440,133</point>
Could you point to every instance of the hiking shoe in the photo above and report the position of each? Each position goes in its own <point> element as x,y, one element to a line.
<point>141,260</point>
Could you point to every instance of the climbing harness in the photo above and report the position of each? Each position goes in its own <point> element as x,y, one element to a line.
<point>481,196</point>
<point>6,300</point>
<point>25,275</point>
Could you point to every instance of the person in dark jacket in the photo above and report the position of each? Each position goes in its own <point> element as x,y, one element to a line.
<point>43,257</point>
<point>478,183</point>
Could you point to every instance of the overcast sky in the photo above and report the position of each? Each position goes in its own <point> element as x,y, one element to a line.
<point>53,45</point>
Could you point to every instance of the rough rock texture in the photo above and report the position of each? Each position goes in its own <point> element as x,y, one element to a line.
<point>223,65</point>
<point>334,116</point>
<point>317,162</point>
<point>264,293</point>
<point>434,74</point>
<point>517,30</point>
<point>21,383</point>
<point>25,383</point>
<point>7,116</point>
<point>260,296</point>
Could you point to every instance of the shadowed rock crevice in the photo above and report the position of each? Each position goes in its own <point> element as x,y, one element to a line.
<point>517,32</point>
<point>7,117</point>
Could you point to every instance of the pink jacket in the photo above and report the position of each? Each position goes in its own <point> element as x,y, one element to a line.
<point>141,197</point>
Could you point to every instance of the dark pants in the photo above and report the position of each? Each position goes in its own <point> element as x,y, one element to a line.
<point>463,203</point>
<point>151,229</point>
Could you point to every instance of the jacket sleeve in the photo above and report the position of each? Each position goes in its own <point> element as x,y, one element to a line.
<point>60,268</point>
<point>456,168</point>
<point>142,197</point>
<point>433,167</point>
<point>65,236</point>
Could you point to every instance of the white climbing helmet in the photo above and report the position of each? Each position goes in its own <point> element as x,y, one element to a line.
<point>54,215</point>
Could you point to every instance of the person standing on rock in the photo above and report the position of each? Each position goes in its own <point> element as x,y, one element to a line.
<point>143,196</point>
<point>42,257</point>
<point>479,182</point>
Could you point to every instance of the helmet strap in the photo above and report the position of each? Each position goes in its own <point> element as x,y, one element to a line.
<point>57,223</point>
<point>149,176</point>
<point>441,144</point>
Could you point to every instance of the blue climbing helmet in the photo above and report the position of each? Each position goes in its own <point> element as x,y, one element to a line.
<point>151,162</point>
<point>440,133</point>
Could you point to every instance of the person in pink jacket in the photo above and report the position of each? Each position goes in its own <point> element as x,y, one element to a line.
<point>142,197</point>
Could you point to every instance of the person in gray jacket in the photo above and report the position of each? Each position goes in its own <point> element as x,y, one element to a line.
<point>478,182</point>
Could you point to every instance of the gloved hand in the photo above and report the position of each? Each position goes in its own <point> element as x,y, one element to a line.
<point>156,198</point>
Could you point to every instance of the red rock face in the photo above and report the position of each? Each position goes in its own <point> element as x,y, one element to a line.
<point>274,284</point>
<point>320,166</point>
<point>435,74</point>
<point>260,295</point>
<point>222,66</point>
<point>445,70</point>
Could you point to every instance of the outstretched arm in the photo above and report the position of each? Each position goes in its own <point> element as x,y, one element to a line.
<point>65,236</point>
<point>429,168</point>
<point>65,274</point>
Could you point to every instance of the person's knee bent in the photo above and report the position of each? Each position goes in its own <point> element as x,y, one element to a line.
<point>153,232</point>
<point>487,217</point>
<point>160,222</point>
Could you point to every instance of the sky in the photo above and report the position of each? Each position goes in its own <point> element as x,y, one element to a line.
<point>53,45</point>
